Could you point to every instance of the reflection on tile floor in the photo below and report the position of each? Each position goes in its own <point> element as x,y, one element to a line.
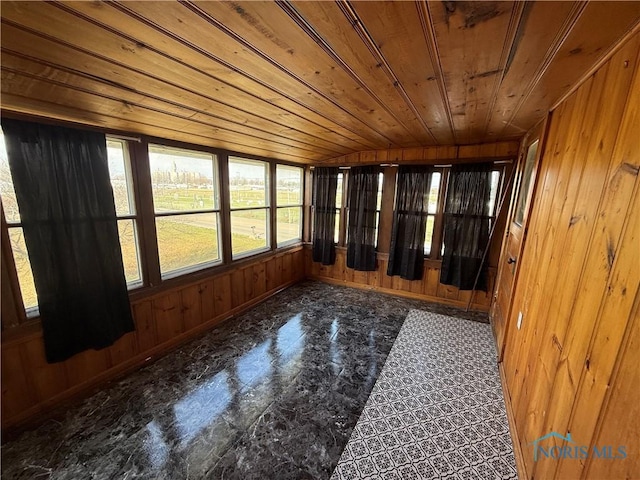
<point>437,409</point>
<point>273,393</point>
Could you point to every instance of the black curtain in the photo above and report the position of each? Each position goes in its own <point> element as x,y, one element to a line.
<point>361,239</point>
<point>64,194</point>
<point>466,226</point>
<point>406,257</point>
<point>325,183</point>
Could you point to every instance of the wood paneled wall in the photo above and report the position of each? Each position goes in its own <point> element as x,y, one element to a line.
<point>429,288</point>
<point>431,155</point>
<point>31,386</point>
<point>572,366</point>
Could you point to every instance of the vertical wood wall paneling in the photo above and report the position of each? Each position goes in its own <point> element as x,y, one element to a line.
<point>31,386</point>
<point>578,288</point>
<point>167,315</point>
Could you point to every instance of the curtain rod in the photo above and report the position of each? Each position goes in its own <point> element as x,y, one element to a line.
<point>497,162</point>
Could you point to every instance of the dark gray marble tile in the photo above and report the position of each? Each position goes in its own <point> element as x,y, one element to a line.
<point>273,393</point>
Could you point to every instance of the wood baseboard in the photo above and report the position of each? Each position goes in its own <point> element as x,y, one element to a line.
<point>515,439</point>
<point>401,293</point>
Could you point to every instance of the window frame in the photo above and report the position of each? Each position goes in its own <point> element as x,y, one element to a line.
<point>269,167</point>
<point>181,271</point>
<point>438,226</point>
<point>133,207</point>
<point>299,205</point>
<point>342,209</point>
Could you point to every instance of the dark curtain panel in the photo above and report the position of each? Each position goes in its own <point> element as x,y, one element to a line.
<point>62,185</point>
<point>466,226</point>
<point>325,183</point>
<point>406,257</point>
<point>361,238</point>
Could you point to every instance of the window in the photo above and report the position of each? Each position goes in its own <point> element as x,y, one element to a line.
<point>16,236</point>
<point>187,208</point>
<point>289,182</point>
<point>249,201</point>
<point>432,210</point>
<point>525,183</point>
<point>437,193</point>
<point>339,207</point>
<point>122,185</point>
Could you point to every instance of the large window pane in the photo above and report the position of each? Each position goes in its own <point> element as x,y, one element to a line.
<point>434,190</point>
<point>182,180</point>
<point>289,225</point>
<point>288,192</point>
<point>379,195</point>
<point>525,183</point>
<point>186,241</point>
<point>23,267</point>
<point>8,194</point>
<point>288,185</point>
<point>248,184</point>
<point>428,237</point>
<point>120,174</point>
<point>493,194</point>
<point>336,232</point>
<point>249,231</point>
<point>339,190</point>
<point>129,246</point>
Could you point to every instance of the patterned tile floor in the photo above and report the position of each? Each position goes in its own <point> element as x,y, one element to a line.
<point>436,410</point>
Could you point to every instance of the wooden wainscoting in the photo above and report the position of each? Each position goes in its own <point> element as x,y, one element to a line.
<point>571,364</point>
<point>429,288</point>
<point>164,320</point>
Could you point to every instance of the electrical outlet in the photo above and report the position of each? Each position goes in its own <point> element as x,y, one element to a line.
<point>519,320</point>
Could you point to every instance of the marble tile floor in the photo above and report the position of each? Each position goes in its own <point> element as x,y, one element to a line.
<point>273,393</point>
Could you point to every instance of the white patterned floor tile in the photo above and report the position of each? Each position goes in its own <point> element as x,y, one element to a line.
<point>436,411</point>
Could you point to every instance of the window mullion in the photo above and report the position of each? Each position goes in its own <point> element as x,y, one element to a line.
<point>225,211</point>
<point>273,201</point>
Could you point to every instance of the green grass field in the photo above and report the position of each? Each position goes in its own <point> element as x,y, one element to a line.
<point>183,199</point>
<point>181,243</point>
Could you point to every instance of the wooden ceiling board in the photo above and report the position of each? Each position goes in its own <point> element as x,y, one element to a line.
<point>113,81</point>
<point>33,108</point>
<point>209,34</point>
<point>470,38</point>
<point>138,56</point>
<point>304,81</point>
<point>592,35</point>
<point>405,49</point>
<point>226,78</point>
<point>540,28</point>
<point>14,83</point>
<point>336,27</point>
<point>125,52</point>
<point>302,58</point>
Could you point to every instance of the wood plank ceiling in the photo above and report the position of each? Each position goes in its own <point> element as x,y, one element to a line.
<point>304,81</point>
